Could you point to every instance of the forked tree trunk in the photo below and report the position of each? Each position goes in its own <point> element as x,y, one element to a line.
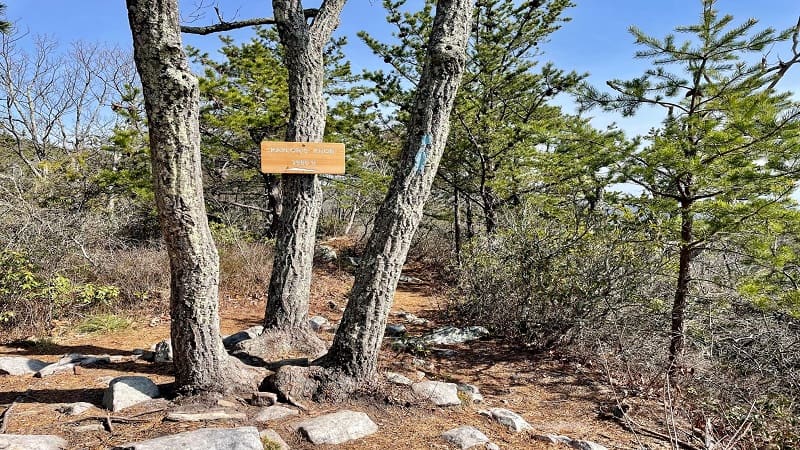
<point>172,102</point>
<point>354,352</point>
<point>286,329</point>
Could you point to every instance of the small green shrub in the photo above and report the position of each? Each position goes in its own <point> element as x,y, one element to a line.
<point>103,323</point>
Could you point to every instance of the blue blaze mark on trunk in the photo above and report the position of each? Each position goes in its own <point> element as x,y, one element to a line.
<point>422,153</point>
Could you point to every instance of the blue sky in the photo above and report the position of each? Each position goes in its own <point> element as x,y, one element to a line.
<point>595,41</point>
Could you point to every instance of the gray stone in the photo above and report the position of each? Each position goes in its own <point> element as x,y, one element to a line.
<point>586,445</point>
<point>123,392</point>
<point>201,416</point>
<point>31,442</point>
<point>336,428</point>
<point>264,399</point>
<point>552,438</point>
<point>453,335</point>
<point>274,412</point>
<point>69,362</point>
<point>319,323</point>
<point>409,280</point>
<point>243,438</point>
<point>412,319</point>
<point>512,420</point>
<point>325,253</point>
<point>162,351</point>
<point>440,394</point>
<point>396,378</point>
<point>472,392</point>
<point>74,409</point>
<point>465,437</point>
<point>235,338</point>
<point>395,330</point>
<point>19,365</point>
<point>89,428</point>
<point>270,435</point>
<point>492,446</point>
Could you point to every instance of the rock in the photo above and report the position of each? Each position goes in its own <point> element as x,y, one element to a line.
<point>123,392</point>
<point>552,438</point>
<point>585,445</point>
<point>216,414</point>
<point>318,323</point>
<point>336,428</point>
<point>74,409</point>
<point>226,403</point>
<point>395,330</point>
<point>235,338</point>
<point>453,335</point>
<point>243,438</point>
<point>31,442</point>
<point>325,253</point>
<point>264,399</point>
<point>472,392</point>
<point>274,412</point>
<point>88,428</point>
<point>69,363</point>
<point>512,420</point>
<point>424,365</point>
<point>162,351</point>
<point>412,319</point>
<point>440,394</point>
<point>270,436</point>
<point>492,446</point>
<point>19,365</point>
<point>465,437</point>
<point>409,280</point>
<point>396,378</point>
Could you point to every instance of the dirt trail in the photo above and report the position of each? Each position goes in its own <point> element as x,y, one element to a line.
<point>550,394</point>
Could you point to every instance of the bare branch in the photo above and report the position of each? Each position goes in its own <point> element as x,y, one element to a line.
<point>227,26</point>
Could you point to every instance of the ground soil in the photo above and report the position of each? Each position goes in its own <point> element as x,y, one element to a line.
<point>554,393</point>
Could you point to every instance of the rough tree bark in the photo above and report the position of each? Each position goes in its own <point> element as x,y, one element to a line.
<point>172,103</point>
<point>352,359</point>
<point>286,330</point>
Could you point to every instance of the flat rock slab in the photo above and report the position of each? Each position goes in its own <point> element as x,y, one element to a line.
<point>250,333</point>
<point>270,436</point>
<point>396,378</point>
<point>243,438</point>
<point>440,394</point>
<point>70,362</point>
<point>74,409</point>
<point>336,428</point>
<point>123,392</point>
<point>20,365</point>
<point>465,437</point>
<point>512,420</point>
<point>201,416</point>
<point>275,412</point>
<point>31,442</point>
<point>453,335</point>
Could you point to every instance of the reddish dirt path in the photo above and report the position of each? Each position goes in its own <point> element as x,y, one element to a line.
<point>547,393</point>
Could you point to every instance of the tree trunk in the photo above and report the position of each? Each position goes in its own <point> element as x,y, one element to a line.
<point>457,226</point>
<point>286,329</point>
<point>354,352</point>
<point>171,100</point>
<point>686,257</point>
<point>272,187</point>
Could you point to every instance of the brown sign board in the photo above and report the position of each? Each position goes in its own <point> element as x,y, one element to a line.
<point>302,157</point>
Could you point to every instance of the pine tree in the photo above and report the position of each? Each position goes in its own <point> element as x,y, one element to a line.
<point>725,155</point>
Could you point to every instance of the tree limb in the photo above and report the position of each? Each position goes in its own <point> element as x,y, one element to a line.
<point>227,26</point>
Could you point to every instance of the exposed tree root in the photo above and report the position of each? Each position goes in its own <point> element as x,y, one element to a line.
<point>316,383</point>
<point>275,345</point>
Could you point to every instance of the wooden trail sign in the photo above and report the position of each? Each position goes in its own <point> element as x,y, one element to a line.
<point>302,157</point>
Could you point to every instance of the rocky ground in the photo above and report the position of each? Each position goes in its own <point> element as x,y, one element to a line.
<point>474,394</point>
